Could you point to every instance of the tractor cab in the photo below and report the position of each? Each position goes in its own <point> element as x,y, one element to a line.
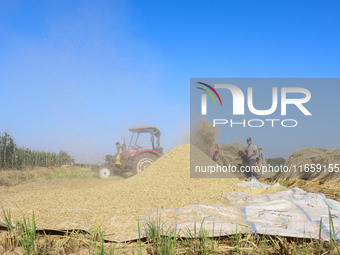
<point>133,157</point>
<point>133,149</point>
<point>153,131</point>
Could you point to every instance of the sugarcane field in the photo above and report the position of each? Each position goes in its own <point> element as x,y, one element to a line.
<point>169,127</point>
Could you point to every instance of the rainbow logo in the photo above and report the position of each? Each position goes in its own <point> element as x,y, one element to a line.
<point>209,93</point>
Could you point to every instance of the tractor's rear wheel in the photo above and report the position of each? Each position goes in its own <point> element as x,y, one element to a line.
<point>104,172</point>
<point>143,161</point>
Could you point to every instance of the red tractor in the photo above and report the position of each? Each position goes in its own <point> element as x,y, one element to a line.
<point>133,158</point>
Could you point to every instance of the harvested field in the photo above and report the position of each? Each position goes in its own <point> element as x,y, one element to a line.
<point>324,182</point>
<point>316,156</point>
<point>87,203</point>
<point>16,177</point>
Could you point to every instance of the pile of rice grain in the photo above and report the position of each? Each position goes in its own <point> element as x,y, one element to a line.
<point>165,184</point>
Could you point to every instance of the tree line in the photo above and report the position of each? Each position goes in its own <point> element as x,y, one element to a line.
<point>276,161</point>
<point>14,157</point>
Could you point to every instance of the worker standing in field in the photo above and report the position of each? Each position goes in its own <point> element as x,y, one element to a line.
<point>244,157</point>
<point>261,155</point>
<point>252,151</point>
<point>245,161</point>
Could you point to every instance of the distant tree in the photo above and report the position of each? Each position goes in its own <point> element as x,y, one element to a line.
<point>65,158</point>
<point>276,161</point>
<point>7,151</point>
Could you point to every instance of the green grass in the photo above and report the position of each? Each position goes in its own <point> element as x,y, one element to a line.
<point>71,174</point>
<point>162,239</point>
<point>25,233</point>
<point>16,177</point>
<point>168,240</point>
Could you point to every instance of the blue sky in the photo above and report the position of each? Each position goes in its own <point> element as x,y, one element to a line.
<point>75,75</point>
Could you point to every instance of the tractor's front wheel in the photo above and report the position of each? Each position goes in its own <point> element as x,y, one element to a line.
<point>104,172</point>
<point>143,161</point>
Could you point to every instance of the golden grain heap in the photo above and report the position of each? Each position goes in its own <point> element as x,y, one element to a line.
<point>165,184</point>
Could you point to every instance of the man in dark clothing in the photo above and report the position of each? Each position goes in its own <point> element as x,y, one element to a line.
<point>244,157</point>
<point>245,161</point>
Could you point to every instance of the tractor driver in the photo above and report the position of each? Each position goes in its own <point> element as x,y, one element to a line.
<point>119,148</point>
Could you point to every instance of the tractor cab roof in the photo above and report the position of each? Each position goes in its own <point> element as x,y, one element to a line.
<point>146,129</point>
